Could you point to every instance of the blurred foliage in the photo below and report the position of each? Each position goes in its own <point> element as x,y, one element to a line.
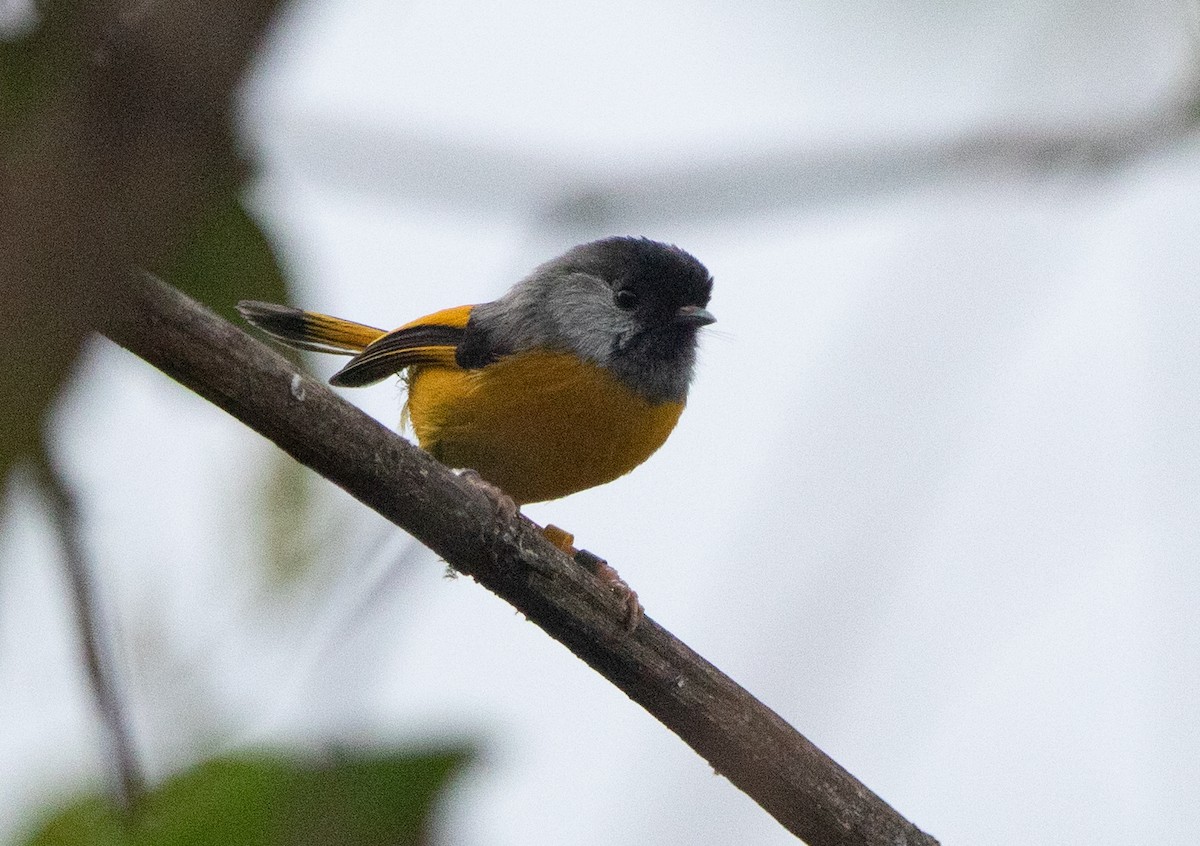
<point>349,798</point>
<point>35,62</point>
<point>226,258</point>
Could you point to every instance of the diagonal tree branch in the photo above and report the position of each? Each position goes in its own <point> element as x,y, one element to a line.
<point>102,179</point>
<point>805,790</point>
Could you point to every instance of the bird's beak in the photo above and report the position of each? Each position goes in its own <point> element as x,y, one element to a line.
<point>693,315</point>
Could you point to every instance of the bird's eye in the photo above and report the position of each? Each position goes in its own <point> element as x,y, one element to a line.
<point>625,298</point>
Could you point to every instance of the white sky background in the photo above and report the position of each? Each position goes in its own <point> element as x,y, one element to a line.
<point>933,498</point>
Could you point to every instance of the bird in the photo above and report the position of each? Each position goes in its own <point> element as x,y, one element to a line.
<point>572,378</point>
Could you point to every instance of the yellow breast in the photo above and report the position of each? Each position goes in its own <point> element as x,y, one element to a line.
<point>539,424</point>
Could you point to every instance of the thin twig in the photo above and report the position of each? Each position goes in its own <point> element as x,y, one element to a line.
<point>747,742</point>
<point>91,630</point>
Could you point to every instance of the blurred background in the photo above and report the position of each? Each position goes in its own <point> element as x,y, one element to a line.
<point>934,498</point>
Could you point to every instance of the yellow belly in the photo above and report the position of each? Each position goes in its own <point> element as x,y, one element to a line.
<point>540,424</point>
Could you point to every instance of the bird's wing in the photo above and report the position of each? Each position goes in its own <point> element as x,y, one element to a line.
<point>430,340</point>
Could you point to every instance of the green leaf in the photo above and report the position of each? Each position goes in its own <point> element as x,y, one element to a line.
<point>365,802</point>
<point>90,822</point>
<point>351,799</point>
<point>226,258</point>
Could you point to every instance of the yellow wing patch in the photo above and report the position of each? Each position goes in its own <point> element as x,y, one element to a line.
<point>456,317</point>
<point>428,341</point>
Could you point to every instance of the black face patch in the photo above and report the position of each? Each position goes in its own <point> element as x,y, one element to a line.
<point>651,279</point>
<point>615,303</point>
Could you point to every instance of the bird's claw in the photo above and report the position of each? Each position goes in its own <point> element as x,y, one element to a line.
<point>604,571</point>
<point>506,507</point>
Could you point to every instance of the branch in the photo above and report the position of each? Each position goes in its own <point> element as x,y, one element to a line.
<point>91,636</point>
<point>411,162</point>
<point>805,790</point>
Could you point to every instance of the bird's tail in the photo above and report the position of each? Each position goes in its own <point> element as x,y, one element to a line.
<point>308,330</point>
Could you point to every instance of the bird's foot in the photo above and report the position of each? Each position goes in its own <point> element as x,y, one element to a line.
<point>505,511</point>
<point>600,568</point>
<point>561,539</point>
<point>604,571</point>
<point>506,507</point>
